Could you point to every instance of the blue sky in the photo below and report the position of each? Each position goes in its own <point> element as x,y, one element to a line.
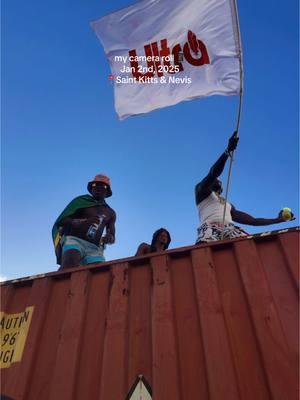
<point>59,129</point>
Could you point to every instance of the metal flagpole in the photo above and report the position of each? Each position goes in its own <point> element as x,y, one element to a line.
<point>238,35</point>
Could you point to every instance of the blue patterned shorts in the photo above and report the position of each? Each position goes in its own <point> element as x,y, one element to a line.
<point>90,253</point>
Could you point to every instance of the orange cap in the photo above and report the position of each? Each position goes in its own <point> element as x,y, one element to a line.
<point>101,178</point>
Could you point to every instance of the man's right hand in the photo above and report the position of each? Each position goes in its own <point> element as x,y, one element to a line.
<point>232,142</point>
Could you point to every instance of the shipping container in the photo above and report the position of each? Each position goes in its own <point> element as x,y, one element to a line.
<point>213,321</point>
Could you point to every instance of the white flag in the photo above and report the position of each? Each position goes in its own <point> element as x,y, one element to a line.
<point>162,52</point>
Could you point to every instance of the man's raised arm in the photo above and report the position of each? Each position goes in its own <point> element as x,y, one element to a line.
<point>203,189</point>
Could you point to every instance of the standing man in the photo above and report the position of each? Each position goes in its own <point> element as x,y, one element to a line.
<point>210,205</point>
<point>78,231</point>
<point>160,242</point>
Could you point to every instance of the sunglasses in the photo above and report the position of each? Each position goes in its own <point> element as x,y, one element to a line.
<point>97,184</point>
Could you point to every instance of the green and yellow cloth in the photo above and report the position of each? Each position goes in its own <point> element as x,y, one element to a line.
<point>76,204</point>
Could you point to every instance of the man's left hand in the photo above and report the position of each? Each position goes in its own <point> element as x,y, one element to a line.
<point>280,217</point>
<point>232,142</point>
<point>108,239</point>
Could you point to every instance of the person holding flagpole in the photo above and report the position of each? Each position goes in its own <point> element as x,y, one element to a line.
<point>214,225</point>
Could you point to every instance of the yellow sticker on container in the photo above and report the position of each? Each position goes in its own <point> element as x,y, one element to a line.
<point>14,330</point>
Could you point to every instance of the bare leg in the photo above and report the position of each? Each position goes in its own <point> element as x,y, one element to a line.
<point>71,258</point>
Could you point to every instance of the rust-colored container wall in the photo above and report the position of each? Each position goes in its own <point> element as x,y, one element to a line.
<point>203,322</point>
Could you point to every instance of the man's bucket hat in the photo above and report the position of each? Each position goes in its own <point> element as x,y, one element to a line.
<point>101,178</point>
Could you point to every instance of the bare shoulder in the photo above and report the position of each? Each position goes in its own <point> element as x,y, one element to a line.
<point>144,248</point>
<point>112,212</point>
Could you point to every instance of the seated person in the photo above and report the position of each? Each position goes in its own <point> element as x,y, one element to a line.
<point>160,242</point>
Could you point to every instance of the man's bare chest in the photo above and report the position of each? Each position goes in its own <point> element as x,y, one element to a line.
<point>94,211</point>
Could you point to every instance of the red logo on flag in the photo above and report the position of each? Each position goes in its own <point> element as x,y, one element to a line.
<point>194,51</point>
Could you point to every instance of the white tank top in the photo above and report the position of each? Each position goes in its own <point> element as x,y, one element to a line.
<point>211,210</point>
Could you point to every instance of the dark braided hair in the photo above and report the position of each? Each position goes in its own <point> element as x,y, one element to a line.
<point>155,236</point>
